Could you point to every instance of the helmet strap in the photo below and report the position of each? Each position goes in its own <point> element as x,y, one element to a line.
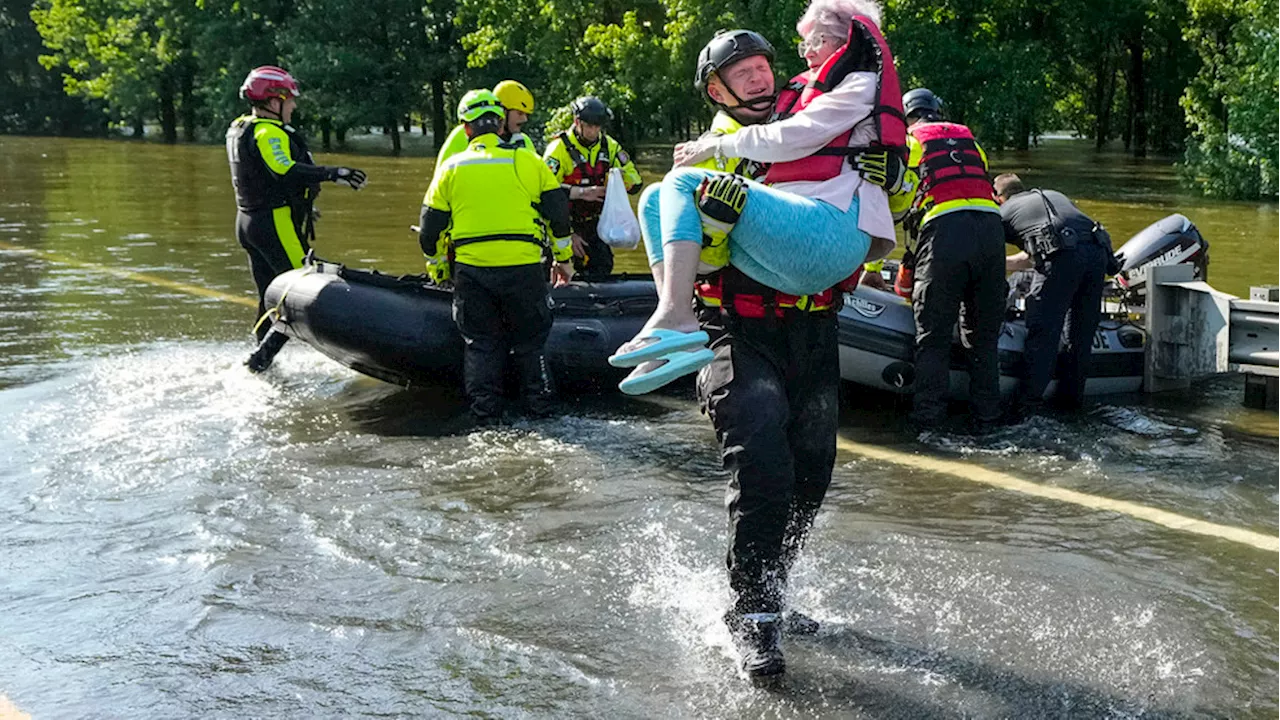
<point>765,102</point>
<point>583,140</point>
<point>265,107</point>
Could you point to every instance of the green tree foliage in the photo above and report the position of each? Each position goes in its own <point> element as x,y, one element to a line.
<point>1148,72</point>
<point>31,98</point>
<point>364,63</point>
<point>130,53</point>
<point>229,38</point>
<point>1232,104</point>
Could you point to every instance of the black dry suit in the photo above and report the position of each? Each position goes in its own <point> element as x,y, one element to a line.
<point>276,183</point>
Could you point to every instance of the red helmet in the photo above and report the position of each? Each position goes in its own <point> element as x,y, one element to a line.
<point>267,82</point>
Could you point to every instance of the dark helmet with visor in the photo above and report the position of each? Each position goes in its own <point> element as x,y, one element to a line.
<point>727,48</point>
<point>922,103</point>
<point>591,110</point>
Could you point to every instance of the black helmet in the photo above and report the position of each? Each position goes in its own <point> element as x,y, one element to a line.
<point>591,110</point>
<point>727,48</point>
<point>922,102</point>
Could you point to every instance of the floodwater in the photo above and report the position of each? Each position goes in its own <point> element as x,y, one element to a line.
<point>179,538</point>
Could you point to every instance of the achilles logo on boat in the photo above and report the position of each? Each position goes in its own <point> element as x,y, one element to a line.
<point>865,307</point>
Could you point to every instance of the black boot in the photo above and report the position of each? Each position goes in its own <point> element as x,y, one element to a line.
<point>757,637</point>
<point>262,356</point>
<point>797,623</point>
<point>536,385</point>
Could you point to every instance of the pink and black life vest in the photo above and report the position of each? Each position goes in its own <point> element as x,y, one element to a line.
<point>865,51</point>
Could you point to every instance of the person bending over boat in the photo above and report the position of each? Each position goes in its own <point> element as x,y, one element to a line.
<point>517,103</point>
<point>494,200</point>
<point>581,158</point>
<point>276,182</point>
<point>771,385</point>
<point>1071,254</point>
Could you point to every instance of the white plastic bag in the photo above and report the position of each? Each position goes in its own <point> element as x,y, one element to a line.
<point>618,226</point>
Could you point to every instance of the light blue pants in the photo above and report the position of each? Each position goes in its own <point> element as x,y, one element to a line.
<point>791,243</point>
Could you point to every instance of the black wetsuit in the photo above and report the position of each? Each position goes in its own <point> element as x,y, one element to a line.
<point>275,194</point>
<point>772,393</point>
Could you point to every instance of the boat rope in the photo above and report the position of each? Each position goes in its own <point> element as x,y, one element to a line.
<point>277,312</point>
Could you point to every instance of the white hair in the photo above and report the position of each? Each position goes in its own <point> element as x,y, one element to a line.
<point>835,16</point>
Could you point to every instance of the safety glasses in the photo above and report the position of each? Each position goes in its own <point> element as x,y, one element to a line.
<point>814,42</point>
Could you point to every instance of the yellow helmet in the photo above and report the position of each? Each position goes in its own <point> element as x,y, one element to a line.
<point>514,96</point>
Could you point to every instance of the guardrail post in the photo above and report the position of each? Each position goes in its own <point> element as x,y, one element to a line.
<point>1188,326</point>
<point>1260,391</point>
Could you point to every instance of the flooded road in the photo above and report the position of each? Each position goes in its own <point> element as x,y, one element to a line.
<point>179,538</point>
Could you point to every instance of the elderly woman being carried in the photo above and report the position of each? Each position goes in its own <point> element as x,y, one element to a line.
<point>820,211</point>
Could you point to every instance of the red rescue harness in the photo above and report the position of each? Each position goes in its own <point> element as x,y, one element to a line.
<point>585,174</point>
<point>736,294</point>
<point>951,166</point>
<point>865,51</point>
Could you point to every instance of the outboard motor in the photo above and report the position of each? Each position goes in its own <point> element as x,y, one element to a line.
<point>1170,241</point>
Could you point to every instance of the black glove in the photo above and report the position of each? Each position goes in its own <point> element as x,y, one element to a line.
<point>911,222</point>
<point>720,202</point>
<point>721,199</point>
<point>881,167</point>
<point>351,177</point>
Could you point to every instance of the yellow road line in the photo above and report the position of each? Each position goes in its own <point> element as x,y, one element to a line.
<point>9,711</point>
<point>129,275</point>
<point>1004,481</point>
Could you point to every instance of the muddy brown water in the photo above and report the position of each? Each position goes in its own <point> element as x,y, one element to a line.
<point>181,539</point>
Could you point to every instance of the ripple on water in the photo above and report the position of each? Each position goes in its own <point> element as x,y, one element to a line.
<point>272,549</point>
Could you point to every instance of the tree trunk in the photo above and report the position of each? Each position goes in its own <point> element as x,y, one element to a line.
<point>1108,105</point>
<point>408,124</point>
<point>1137,97</point>
<point>1021,142</point>
<point>437,112</point>
<point>187,85</point>
<point>1101,116</point>
<point>138,129</point>
<point>341,133</point>
<point>168,115</point>
<point>395,137</point>
<point>1126,130</point>
<point>326,128</point>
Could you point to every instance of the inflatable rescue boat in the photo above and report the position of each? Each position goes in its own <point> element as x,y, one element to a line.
<point>400,329</point>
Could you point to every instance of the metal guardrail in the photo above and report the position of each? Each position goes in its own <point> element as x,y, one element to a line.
<point>1194,331</point>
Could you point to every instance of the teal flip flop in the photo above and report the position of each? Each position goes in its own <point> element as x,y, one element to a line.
<point>665,342</point>
<point>674,365</point>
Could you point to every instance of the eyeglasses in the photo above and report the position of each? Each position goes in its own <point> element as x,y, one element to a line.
<point>813,43</point>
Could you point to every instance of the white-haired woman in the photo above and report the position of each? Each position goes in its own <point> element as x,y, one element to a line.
<point>812,222</point>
